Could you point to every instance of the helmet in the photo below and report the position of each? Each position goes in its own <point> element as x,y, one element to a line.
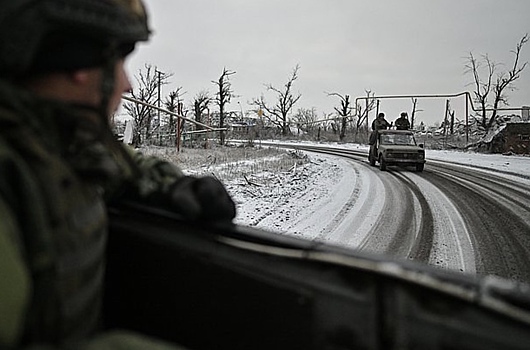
<point>381,115</point>
<point>404,114</point>
<point>48,35</point>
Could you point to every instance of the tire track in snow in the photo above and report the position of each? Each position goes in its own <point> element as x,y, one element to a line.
<point>496,214</point>
<point>420,229</point>
<point>396,231</point>
<point>352,227</point>
<point>451,242</point>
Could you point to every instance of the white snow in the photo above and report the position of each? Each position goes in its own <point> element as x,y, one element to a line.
<point>311,200</point>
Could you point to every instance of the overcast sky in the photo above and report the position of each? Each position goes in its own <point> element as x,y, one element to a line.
<point>391,47</point>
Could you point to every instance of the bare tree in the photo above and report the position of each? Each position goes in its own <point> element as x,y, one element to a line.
<point>285,101</point>
<point>200,104</point>
<point>344,112</point>
<point>149,81</point>
<point>223,97</point>
<point>362,113</point>
<point>305,119</point>
<point>493,84</point>
<point>173,103</point>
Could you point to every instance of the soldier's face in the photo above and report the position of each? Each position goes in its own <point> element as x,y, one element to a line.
<point>121,86</point>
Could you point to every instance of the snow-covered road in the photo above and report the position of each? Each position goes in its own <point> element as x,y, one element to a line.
<point>348,203</point>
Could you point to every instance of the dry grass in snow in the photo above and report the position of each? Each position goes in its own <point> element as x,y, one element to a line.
<point>230,163</point>
<point>267,184</point>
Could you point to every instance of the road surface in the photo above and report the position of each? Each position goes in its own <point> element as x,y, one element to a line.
<point>452,216</point>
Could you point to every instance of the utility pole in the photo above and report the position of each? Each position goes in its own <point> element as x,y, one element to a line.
<point>241,108</point>
<point>367,111</point>
<point>413,114</point>
<point>159,75</point>
<point>447,107</point>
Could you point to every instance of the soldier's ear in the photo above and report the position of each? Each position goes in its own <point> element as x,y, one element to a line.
<point>80,76</point>
<point>87,78</point>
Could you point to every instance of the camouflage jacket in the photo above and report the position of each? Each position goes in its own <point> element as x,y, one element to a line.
<point>380,124</point>
<point>402,123</point>
<point>59,166</point>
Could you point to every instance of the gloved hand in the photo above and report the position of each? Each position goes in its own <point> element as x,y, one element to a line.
<point>202,198</point>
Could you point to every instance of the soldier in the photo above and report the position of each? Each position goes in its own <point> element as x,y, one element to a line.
<point>380,123</point>
<point>402,123</point>
<point>61,77</point>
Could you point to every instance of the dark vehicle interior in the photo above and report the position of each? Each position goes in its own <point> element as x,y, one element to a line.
<point>234,287</point>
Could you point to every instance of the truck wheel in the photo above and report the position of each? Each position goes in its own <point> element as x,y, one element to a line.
<point>382,163</point>
<point>419,167</point>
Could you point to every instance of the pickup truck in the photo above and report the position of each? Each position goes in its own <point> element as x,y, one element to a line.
<point>396,147</point>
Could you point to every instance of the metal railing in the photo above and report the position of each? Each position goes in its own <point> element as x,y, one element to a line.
<point>469,102</point>
<point>208,127</point>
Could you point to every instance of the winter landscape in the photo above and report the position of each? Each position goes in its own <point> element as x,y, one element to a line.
<point>336,200</point>
<point>466,212</point>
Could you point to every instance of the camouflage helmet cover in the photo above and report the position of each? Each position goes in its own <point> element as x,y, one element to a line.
<point>26,24</point>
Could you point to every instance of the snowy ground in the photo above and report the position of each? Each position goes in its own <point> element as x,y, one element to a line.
<point>304,199</point>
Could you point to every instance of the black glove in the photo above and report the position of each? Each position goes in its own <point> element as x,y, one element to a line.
<point>202,198</point>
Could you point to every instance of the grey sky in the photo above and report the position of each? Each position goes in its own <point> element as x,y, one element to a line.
<point>347,46</point>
